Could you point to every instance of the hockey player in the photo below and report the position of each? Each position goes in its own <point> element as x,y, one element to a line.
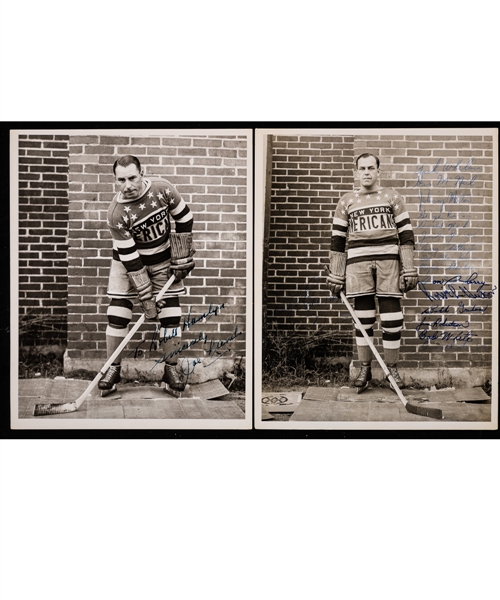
<point>146,252</point>
<point>378,262</point>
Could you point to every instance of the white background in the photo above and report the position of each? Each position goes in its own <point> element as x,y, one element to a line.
<point>231,518</point>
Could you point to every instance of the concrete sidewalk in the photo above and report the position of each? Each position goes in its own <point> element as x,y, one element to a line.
<point>382,404</point>
<point>130,401</point>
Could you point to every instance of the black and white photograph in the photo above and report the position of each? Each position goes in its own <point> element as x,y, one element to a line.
<point>131,279</point>
<point>379,298</point>
<point>240,460</point>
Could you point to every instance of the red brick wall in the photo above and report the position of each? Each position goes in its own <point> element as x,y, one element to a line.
<point>453,226</point>
<point>43,227</point>
<point>309,175</point>
<point>211,174</point>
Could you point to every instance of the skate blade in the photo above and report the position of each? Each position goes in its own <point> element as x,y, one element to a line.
<point>172,392</point>
<point>105,393</point>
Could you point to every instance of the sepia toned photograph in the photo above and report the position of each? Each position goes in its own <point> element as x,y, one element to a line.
<point>379,297</point>
<point>131,278</point>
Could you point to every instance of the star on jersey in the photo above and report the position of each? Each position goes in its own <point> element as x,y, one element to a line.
<point>150,195</point>
<point>127,209</point>
<point>142,206</point>
<point>134,217</point>
<point>154,203</point>
<point>125,218</point>
<point>159,196</point>
<point>127,233</point>
<point>119,225</point>
<point>396,206</point>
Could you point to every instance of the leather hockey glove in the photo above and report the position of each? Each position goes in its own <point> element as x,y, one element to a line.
<point>142,283</point>
<point>408,278</point>
<point>335,278</point>
<point>182,251</point>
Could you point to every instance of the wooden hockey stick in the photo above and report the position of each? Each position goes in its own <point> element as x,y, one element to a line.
<point>68,407</point>
<point>424,411</point>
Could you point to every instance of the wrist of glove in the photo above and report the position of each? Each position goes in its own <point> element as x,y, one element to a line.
<point>182,252</point>
<point>144,288</point>
<point>408,280</point>
<point>335,278</point>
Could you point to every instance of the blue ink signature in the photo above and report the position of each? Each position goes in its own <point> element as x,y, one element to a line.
<point>471,280</point>
<point>214,347</point>
<point>440,322</point>
<point>202,337</point>
<point>462,292</point>
<point>188,366</point>
<point>212,311</point>
<point>445,336</point>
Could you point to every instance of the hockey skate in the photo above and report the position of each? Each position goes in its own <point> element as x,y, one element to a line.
<point>107,384</point>
<point>173,384</point>
<point>364,376</point>
<point>397,378</point>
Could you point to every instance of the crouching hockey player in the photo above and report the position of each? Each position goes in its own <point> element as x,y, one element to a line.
<point>145,255</point>
<point>374,224</point>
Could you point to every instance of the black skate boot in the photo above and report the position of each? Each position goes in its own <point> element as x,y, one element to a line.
<point>107,385</point>
<point>393,370</point>
<point>364,376</point>
<point>173,384</point>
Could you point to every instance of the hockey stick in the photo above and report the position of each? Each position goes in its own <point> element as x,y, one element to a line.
<point>68,407</point>
<point>424,411</point>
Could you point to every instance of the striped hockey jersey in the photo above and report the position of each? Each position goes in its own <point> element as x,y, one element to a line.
<point>141,228</point>
<point>373,224</point>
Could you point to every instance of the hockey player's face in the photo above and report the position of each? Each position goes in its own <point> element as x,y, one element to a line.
<point>368,172</point>
<point>129,181</point>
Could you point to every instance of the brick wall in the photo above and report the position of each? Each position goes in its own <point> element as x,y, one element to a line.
<point>309,175</point>
<point>451,211</point>
<point>447,182</point>
<point>211,174</point>
<point>43,229</point>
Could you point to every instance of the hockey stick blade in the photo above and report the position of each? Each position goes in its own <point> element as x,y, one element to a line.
<point>41,410</point>
<point>69,407</point>
<point>424,411</point>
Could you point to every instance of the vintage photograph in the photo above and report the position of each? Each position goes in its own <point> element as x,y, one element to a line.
<point>379,258</point>
<point>130,278</point>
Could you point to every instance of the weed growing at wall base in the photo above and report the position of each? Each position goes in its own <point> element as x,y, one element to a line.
<point>304,358</point>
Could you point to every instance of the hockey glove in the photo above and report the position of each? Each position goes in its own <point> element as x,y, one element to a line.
<point>335,278</point>
<point>142,283</point>
<point>182,251</point>
<point>408,278</point>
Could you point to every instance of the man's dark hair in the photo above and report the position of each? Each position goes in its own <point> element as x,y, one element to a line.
<point>125,161</point>
<point>366,155</point>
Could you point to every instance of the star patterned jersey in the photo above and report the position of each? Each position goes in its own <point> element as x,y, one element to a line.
<point>373,224</point>
<point>141,228</point>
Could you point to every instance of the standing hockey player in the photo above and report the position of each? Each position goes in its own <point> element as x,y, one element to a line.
<point>378,262</point>
<point>146,252</point>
